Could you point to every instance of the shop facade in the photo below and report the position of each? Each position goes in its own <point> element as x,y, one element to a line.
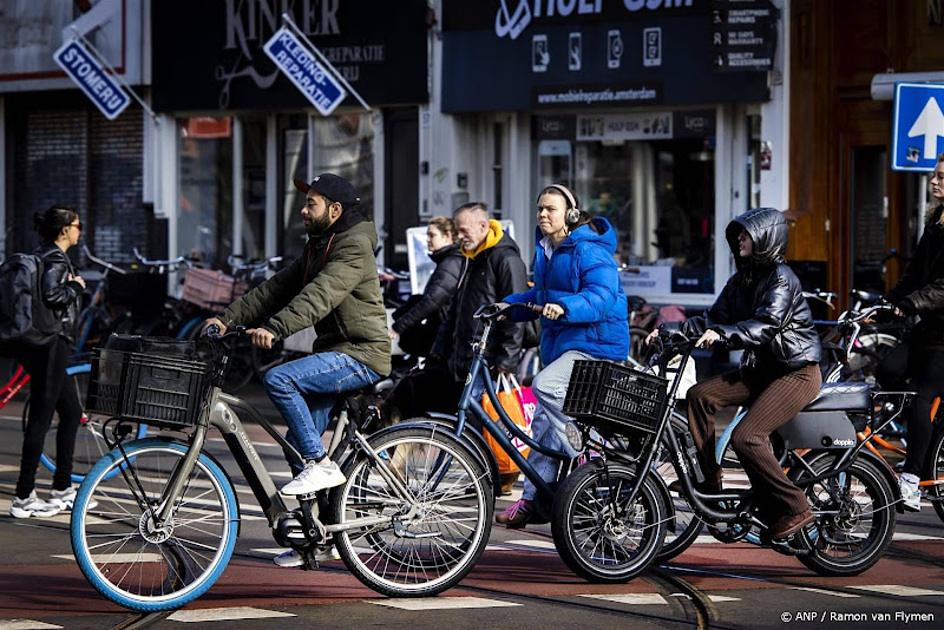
<point>661,116</point>
<point>233,132</point>
<point>55,146</point>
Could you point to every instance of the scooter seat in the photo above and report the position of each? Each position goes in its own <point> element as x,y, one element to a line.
<point>841,397</point>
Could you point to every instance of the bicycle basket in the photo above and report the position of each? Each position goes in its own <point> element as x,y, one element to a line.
<point>167,390</point>
<point>615,398</point>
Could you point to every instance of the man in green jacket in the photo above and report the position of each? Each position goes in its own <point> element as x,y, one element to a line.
<point>334,287</point>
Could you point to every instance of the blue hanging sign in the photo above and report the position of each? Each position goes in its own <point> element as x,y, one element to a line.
<point>317,84</point>
<point>92,78</point>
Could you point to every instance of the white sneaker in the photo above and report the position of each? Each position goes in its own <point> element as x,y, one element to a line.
<point>65,499</point>
<point>314,477</point>
<point>292,558</point>
<point>33,506</point>
<point>910,492</point>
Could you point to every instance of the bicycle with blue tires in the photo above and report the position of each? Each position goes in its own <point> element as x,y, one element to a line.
<point>156,519</point>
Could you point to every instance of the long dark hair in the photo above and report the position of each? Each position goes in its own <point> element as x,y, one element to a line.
<point>50,222</point>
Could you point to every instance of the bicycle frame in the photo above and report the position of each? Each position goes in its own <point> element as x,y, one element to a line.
<point>223,413</point>
<point>479,368</point>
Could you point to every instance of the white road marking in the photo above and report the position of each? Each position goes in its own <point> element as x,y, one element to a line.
<point>441,603</point>
<point>9,468</point>
<point>116,558</point>
<point>531,542</point>
<point>226,614</point>
<point>897,589</point>
<point>823,591</point>
<point>723,598</point>
<point>26,624</point>
<point>633,599</point>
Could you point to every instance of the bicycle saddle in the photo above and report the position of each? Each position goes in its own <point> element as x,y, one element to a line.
<point>841,397</point>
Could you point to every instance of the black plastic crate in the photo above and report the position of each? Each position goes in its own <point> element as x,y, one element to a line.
<point>615,397</point>
<point>161,390</point>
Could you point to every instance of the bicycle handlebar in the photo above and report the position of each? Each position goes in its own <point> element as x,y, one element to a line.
<point>173,262</point>
<point>493,311</point>
<point>102,263</point>
<point>235,266</point>
<point>881,307</point>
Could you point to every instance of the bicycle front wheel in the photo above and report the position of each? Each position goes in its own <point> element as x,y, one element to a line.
<point>598,532</point>
<point>935,493</point>
<point>428,542</point>
<point>125,555</point>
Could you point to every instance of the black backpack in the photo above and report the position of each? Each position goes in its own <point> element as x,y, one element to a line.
<point>24,317</point>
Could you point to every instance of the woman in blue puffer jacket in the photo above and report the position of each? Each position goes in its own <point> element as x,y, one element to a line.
<point>577,280</point>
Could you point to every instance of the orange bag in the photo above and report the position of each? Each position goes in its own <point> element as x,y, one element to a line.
<point>511,397</point>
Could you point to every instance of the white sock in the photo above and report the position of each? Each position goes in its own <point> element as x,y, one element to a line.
<point>910,478</point>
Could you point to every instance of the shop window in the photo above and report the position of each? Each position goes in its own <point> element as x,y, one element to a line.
<point>659,194</point>
<point>252,216</point>
<point>204,219</point>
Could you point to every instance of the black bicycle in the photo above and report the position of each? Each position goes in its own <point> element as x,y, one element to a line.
<point>610,515</point>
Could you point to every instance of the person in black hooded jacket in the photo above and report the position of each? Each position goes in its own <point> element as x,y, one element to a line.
<point>417,337</point>
<point>920,291</point>
<point>761,310</point>
<point>51,390</point>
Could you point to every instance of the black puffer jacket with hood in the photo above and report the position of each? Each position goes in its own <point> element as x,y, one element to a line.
<point>761,308</point>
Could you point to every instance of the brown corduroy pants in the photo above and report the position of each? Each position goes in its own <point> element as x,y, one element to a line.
<point>772,404</point>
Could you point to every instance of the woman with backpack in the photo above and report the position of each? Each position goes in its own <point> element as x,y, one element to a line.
<point>51,390</point>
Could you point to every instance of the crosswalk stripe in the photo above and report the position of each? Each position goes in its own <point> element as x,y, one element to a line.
<point>823,591</point>
<point>530,542</point>
<point>116,558</point>
<point>226,614</point>
<point>26,624</point>
<point>633,599</point>
<point>441,603</point>
<point>897,589</point>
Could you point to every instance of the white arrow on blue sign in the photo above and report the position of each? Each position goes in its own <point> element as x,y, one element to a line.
<point>917,126</point>
<point>89,75</point>
<point>317,84</point>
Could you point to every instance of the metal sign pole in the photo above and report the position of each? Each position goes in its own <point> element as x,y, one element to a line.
<point>922,202</point>
<point>287,19</point>
<point>101,59</point>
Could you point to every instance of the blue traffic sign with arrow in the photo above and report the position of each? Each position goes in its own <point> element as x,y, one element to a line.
<point>917,126</point>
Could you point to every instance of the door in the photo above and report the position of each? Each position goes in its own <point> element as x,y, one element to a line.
<point>401,131</point>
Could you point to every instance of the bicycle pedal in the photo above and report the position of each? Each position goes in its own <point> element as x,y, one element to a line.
<point>311,496</point>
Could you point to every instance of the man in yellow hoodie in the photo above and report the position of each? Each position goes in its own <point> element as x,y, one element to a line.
<point>492,269</point>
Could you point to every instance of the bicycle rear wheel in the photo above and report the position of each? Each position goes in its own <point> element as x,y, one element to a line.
<point>121,551</point>
<point>431,550</point>
<point>935,494</point>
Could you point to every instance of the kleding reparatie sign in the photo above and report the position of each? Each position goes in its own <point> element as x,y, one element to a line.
<point>310,77</point>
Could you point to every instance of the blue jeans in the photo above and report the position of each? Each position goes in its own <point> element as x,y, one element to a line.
<point>550,388</point>
<point>305,390</point>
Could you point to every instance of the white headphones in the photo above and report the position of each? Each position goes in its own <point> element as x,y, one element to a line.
<point>573,212</point>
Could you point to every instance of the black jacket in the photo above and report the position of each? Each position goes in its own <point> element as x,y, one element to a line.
<point>59,294</point>
<point>439,289</point>
<point>490,276</point>
<point>921,288</point>
<point>762,309</point>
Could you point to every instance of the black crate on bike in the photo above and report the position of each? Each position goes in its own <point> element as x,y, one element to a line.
<point>615,397</point>
<point>164,390</point>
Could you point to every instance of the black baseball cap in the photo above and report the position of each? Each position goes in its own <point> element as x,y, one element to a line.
<point>332,186</point>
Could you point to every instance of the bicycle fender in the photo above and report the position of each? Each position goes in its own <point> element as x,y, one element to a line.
<point>879,463</point>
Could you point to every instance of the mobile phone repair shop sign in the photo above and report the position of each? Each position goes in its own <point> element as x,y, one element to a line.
<point>316,83</point>
<point>85,70</point>
<point>543,54</point>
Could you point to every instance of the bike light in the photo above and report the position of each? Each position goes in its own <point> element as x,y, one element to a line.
<point>574,438</point>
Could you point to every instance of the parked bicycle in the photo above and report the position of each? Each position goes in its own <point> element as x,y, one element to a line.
<point>411,519</point>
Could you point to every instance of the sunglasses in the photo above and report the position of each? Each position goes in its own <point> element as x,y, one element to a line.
<point>76,225</point>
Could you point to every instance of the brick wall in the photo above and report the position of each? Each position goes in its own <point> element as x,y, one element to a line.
<point>75,156</point>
